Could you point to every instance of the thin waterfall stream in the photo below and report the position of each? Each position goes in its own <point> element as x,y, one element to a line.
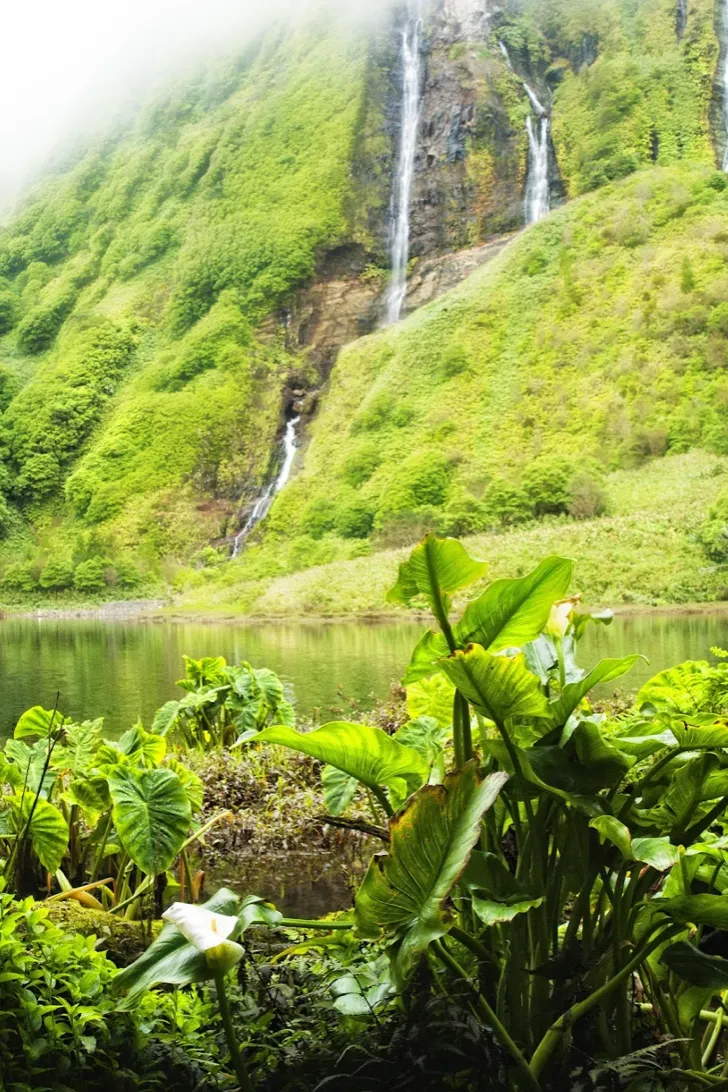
<point>402,194</point>
<point>537,202</point>
<point>262,506</point>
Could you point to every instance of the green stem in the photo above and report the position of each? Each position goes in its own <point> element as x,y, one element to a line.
<point>241,1072</point>
<point>143,886</point>
<point>473,946</point>
<point>303,923</point>
<point>188,876</point>
<point>462,732</point>
<point>527,1080</point>
<point>556,1032</point>
<point>100,855</point>
<point>382,800</point>
<point>713,1041</point>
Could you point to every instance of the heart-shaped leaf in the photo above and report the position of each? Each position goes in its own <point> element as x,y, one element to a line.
<point>500,687</point>
<point>151,814</point>
<point>368,754</point>
<point>405,893</point>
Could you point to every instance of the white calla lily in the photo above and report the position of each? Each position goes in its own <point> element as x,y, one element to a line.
<point>208,933</point>
<point>560,617</point>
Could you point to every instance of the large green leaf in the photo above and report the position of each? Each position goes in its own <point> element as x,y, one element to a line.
<point>165,719</point>
<point>144,748</point>
<point>686,791</point>
<point>151,814</point>
<point>435,569</point>
<point>432,697</point>
<point>38,722</point>
<point>500,687</point>
<point>510,613</point>
<point>368,754</point>
<point>405,893</point>
<point>430,648</point>
<point>698,909</point>
<point>173,960</point>
<point>497,896</point>
<point>48,830</point>
<point>696,967</point>
<point>682,690</point>
<point>574,693</point>
<point>660,853</point>
<point>339,790</point>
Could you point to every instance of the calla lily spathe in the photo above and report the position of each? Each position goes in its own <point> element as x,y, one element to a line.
<point>560,617</point>
<point>207,932</point>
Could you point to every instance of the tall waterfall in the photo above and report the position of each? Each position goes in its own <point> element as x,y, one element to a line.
<point>402,195</point>
<point>724,44</point>
<point>263,504</point>
<point>537,202</point>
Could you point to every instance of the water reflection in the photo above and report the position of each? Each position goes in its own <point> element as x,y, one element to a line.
<point>123,670</point>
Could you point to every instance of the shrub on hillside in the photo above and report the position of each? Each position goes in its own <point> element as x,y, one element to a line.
<point>92,575</point>
<point>39,477</point>
<point>506,504</point>
<point>56,574</point>
<point>354,520</point>
<point>587,496</point>
<point>20,576</point>
<point>713,533</point>
<point>7,310</point>
<point>361,463</point>
<point>546,485</point>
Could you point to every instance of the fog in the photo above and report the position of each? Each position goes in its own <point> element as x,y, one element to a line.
<point>68,67</point>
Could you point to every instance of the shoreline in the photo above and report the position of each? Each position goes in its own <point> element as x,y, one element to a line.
<point>156,611</point>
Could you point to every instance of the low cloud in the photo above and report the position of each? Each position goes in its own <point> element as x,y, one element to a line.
<point>66,68</point>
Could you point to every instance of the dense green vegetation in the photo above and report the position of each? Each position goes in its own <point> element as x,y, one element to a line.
<point>522,832</point>
<point>628,91</point>
<point>142,397</point>
<point>143,363</point>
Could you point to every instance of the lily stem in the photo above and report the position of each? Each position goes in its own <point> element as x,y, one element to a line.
<point>246,1085</point>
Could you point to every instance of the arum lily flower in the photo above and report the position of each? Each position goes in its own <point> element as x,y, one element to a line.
<point>209,933</point>
<point>560,617</point>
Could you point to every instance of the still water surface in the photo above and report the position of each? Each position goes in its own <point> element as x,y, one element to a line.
<point>123,670</point>
<point>126,670</point>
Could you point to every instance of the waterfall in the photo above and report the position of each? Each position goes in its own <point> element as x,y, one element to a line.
<point>725,81</point>
<point>262,506</point>
<point>537,202</point>
<point>402,195</point>
<point>538,196</point>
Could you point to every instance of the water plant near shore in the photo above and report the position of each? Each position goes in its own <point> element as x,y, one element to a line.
<point>562,872</point>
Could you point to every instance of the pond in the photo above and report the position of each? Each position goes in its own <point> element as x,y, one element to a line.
<point>126,670</point>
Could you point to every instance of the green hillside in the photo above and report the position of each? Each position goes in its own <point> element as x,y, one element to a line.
<point>141,399</point>
<point>596,340</point>
<point>147,352</point>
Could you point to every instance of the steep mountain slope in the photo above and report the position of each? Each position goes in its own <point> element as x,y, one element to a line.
<point>135,287</point>
<point>168,300</point>
<point>599,336</point>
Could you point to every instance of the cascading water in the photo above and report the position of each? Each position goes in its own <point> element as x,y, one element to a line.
<point>402,195</point>
<point>537,202</point>
<point>263,504</point>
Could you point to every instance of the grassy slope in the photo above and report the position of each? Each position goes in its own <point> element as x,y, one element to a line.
<point>583,339</point>
<point>643,553</point>
<point>174,242</point>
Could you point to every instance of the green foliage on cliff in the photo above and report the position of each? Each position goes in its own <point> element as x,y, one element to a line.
<point>628,89</point>
<point>579,351</point>
<point>139,391</point>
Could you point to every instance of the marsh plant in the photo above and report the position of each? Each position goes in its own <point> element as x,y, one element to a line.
<point>568,871</point>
